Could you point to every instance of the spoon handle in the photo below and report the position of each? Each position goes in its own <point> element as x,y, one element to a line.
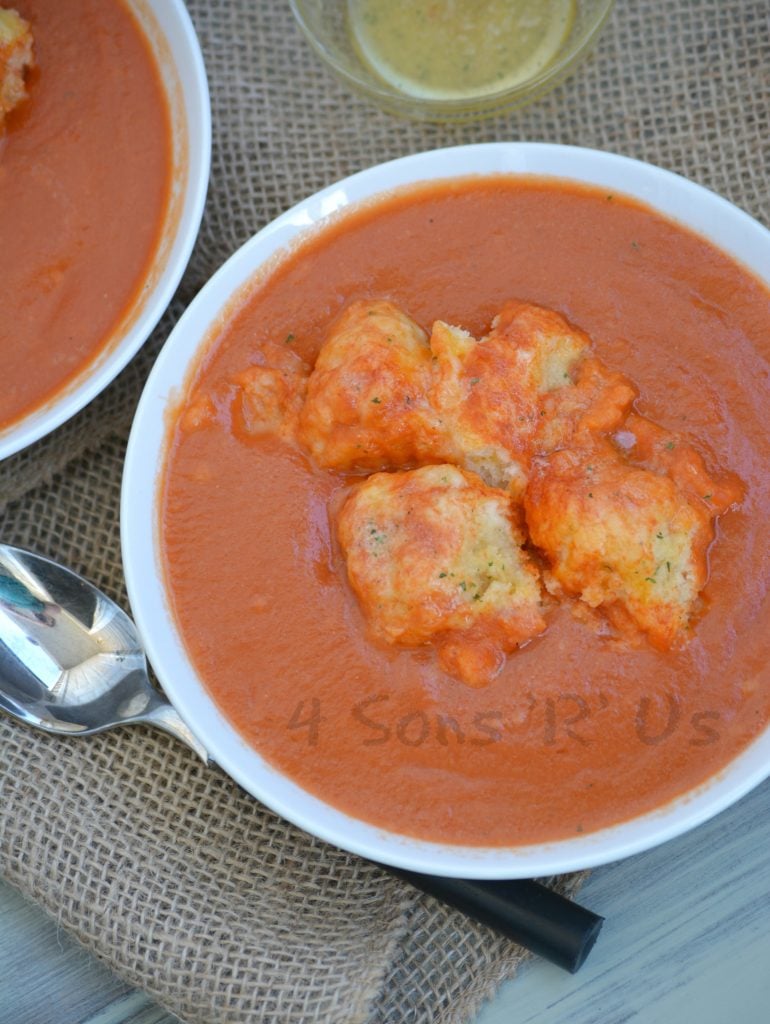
<point>164,716</point>
<point>531,914</point>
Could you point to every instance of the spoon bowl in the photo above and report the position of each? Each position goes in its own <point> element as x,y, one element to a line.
<point>71,660</point>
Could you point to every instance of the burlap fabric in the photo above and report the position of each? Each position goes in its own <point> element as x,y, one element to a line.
<point>165,869</point>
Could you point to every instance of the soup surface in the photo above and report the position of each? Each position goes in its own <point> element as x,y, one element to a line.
<point>578,730</point>
<point>85,167</point>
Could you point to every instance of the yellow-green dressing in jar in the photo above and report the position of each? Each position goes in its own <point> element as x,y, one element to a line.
<point>459,49</point>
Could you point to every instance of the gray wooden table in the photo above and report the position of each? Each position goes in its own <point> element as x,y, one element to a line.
<point>686,939</point>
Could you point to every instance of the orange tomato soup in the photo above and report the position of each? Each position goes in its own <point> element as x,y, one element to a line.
<point>85,168</point>
<point>576,732</point>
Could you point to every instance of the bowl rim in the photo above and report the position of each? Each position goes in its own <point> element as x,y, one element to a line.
<point>390,97</point>
<point>677,198</point>
<point>108,362</point>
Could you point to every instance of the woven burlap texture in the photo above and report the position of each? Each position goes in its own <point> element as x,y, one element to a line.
<point>162,867</point>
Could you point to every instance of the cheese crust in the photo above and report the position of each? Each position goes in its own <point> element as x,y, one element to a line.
<point>434,555</point>
<point>16,58</point>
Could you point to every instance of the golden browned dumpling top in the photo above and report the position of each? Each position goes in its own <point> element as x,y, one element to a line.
<point>491,394</point>
<point>367,399</point>
<point>630,540</point>
<point>16,58</point>
<point>434,555</point>
<point>596,401</point>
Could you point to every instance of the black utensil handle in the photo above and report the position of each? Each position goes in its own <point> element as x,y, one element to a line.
<point>529,913</point>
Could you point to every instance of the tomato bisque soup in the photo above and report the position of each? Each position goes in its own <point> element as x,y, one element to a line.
<point>85,179</point>
<point>581,727</point>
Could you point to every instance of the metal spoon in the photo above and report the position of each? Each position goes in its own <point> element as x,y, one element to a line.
<point>71,662</point>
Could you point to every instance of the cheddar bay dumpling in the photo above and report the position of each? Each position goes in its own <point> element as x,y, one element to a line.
<point>489,392</point>
<point>434,555</point>
<point>367,398</point>
<point>624,538</point>
<point>16,58</point>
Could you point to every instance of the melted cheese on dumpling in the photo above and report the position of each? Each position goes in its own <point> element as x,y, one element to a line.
<point>366,406</point>
<point>620,537</point>
<point>435,555</point>
<point>16,58</point>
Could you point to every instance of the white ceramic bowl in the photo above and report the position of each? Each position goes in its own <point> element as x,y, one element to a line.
<point>701,210</point>
<point>171,35</point>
